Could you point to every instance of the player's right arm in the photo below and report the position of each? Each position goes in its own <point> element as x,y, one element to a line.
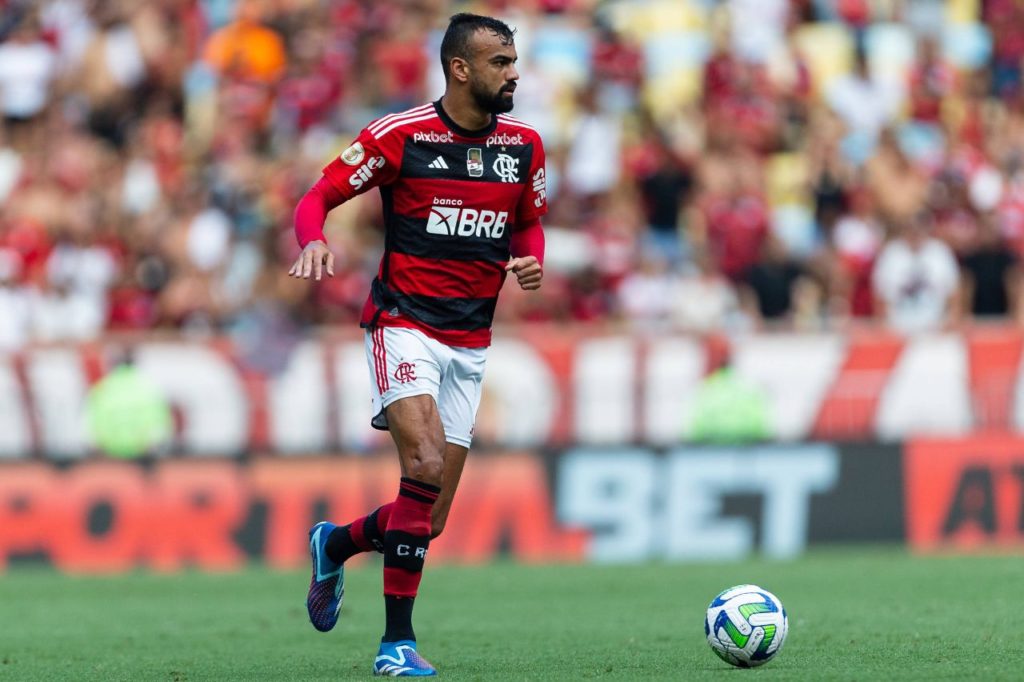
<point>310,215</point>
<point>365,164</point>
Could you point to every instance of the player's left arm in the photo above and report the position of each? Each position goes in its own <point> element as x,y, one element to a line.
<point>527,262</point>
<point>527,240</point>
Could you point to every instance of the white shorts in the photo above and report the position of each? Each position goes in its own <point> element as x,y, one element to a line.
<point>406,362</point>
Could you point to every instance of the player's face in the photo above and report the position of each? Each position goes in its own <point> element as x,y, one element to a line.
<point>493,75</point>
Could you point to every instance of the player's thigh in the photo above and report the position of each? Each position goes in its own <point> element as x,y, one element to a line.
<point>416,428</point>
<point>405,377</point>
<point>458,397</point>
<point>402,364</point>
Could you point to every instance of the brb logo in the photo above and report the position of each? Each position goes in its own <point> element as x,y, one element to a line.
<point>431,136</point>
<point>405,372</point>
<point>447,217</point>
<point>365,172</point>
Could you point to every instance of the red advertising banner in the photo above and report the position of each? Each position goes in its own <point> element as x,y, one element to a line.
<point>104,516</point>
<point>965,494</point>
<point>604,504</point>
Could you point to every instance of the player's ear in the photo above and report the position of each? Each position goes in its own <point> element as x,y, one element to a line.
<point>459,69</point>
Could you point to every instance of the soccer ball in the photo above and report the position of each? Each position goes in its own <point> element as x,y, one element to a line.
<point>746,626</point>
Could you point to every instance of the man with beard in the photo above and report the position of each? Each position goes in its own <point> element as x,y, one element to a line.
<point>463,190</point>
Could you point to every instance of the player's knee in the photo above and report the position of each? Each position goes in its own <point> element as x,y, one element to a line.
<point>426,464</point>
<point>436,528</point>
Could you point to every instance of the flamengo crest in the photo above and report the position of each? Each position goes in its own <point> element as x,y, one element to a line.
<point>405,372</point>
<point>507,168</point>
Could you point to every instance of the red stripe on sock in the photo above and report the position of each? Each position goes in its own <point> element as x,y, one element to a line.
<point>422,496</point>
<point>424,488</point>
<point>383,516</point>
<point>355,531</point>
<point>401,583</point>
<point>413,517</point>
<point>410,516</point>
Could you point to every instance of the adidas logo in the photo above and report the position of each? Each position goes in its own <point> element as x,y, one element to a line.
<point>438,163</point>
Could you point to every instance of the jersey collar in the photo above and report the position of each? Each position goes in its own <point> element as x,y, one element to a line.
<point>459,130</point>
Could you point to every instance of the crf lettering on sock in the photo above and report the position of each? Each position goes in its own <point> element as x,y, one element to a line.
<point>406,550</point>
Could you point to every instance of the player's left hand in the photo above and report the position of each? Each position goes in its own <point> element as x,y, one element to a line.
<point>527,270</point>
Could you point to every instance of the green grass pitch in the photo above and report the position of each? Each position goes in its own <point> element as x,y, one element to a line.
<point>854,615</point>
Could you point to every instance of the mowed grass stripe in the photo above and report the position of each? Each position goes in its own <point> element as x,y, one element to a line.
<point>854,615</point>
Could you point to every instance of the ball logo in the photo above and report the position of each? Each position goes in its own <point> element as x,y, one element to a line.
<point>405,372</point>
<point>504,139</point>
<point>431,136</point>
<point>354,154</point>
<point>507,168</point>
<point>452,221</point>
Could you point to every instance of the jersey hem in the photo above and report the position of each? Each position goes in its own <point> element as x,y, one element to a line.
<point>476,338</point>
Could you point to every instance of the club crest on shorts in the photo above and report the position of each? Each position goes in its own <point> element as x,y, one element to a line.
<point>405,372</point>
<point>475,162</point>
<point>354,154</point>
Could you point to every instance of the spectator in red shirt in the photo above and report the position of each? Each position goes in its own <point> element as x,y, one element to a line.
<point>931,80</point>
<point>734,224</point>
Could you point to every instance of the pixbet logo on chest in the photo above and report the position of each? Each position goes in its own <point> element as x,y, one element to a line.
<point>432,136</point>
<point>447,217</point>
<point>504,139</point>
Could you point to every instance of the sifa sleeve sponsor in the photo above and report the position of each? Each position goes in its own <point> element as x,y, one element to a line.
<point>533,201</point>
<point>364,164</point>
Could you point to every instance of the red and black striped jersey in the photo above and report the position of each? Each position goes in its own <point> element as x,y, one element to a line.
<point>451,199</point>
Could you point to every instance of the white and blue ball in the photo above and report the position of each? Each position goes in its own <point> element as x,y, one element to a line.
<point>746,626</point>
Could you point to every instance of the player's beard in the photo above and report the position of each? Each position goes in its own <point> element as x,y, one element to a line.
<point>493,103</point>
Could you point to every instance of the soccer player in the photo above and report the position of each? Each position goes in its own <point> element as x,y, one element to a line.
<point>463,189</point>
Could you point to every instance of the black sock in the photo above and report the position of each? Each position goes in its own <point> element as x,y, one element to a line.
<point>340,547</point>
<point>372,531</point>
<point>398,619</point>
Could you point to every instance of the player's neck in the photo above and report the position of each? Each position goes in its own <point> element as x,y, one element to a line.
<point>464,112</point>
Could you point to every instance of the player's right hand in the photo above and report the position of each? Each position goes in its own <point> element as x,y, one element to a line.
<point>311,261</point>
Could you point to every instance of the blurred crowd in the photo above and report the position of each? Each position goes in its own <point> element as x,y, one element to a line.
<point>745,164</point>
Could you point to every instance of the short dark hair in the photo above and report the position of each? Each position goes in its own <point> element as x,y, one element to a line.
<point>463,25</point>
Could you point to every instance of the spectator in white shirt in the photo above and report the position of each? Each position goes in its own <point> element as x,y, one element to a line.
<point>27,69</point>
<point>915,279</point>
<point>14,303</point>
<point>642,293</point>
<point>866,105</point>
<point>595,157</point>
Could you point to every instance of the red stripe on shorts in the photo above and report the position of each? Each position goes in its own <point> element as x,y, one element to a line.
<point>383,376</point>
<point>376,361</point>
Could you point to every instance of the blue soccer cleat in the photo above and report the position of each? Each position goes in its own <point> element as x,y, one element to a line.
<point>327,586</point>
<point>400,659</point>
